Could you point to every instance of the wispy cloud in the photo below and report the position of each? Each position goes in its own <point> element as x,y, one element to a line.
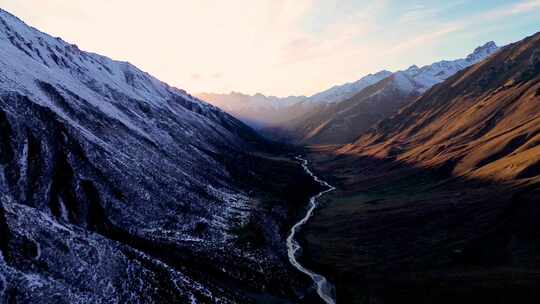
<point>525,7</point>
<point>441,31</point>
<point>510,10</point>
<point>420,12</point>
<point>424,39</point>
<point>341,35</point>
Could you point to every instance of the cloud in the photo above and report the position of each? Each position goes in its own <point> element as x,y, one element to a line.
<point>337,36</point>
<point>515,9</point>
<point>524,7</point>
<point>425,39</point>
<point>441,31</point>
<point>420,12</point>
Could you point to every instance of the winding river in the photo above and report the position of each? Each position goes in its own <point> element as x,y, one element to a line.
<point>324,289</point>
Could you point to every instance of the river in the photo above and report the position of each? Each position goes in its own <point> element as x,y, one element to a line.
<point>325,290</point>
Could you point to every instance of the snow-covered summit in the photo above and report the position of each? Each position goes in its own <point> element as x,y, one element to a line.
<point>236,100</point>
<point>482,52</point>
<point>342,122</point>
<point>421,79</point>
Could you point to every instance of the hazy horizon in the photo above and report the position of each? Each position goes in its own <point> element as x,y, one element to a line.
<point>278,48</point>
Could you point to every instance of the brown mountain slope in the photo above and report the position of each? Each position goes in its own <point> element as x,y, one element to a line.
<point>483,122</point>
<point>439,203</point>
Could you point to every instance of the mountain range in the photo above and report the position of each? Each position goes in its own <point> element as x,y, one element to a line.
<point>260,111</point>
<point>342,122</point>
<point>337,115</point>
<point>483,123</point>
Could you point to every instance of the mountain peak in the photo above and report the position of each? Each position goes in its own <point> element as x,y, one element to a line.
<point>412,68</point>
<point>427,76</point>
<point>483,51</point>
<point>489,45</point>
<point>383,72</point>
<point>8,14</point>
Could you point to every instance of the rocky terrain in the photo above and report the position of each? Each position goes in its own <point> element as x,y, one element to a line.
<point>118,188</point>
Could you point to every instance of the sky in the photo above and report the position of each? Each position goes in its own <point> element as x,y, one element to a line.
<point>278,47</point>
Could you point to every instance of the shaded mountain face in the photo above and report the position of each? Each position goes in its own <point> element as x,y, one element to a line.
<point>267,112</point>
<point>117,187</point>
<point>483,122</point>
<point>343,122</point>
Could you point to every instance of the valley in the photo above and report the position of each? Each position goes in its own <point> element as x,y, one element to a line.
<point>434,202</point>
<point>420,185</point>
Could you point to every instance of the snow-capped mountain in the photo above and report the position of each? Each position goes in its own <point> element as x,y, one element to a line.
<point>264,112</point>
<point>488,115</point>
<point>260,111</point>
<point>342,122</point>
<point>421,79</point>
<point>341,92</point>
<point>116,187</point>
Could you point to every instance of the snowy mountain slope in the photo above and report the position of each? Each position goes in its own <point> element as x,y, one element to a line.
<point>345,91</point>
<point>422,79</point>
<point>117,102</point>
<point>128,167</point>
<point>85,268</point>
